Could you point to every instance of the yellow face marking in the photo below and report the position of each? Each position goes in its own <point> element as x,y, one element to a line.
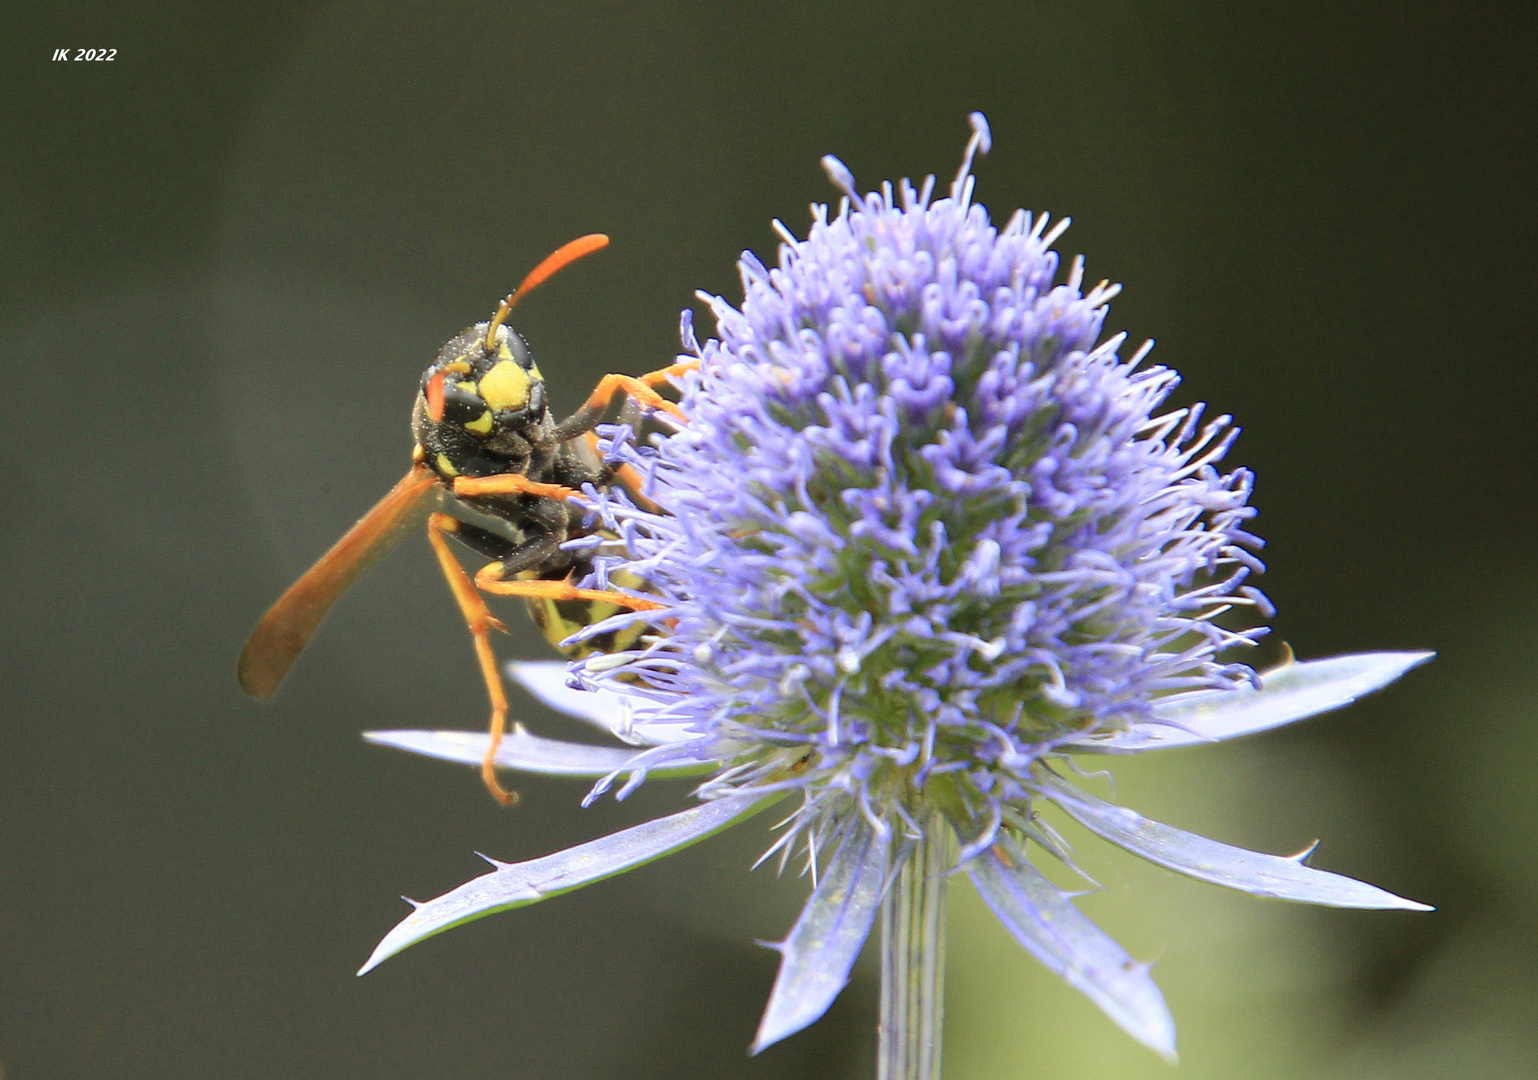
<point>481,425</point>
<point>458,365</point>
<point>503,352</point>
<point>535,375</point>
<point>505,386</point>
<point>446,467</point>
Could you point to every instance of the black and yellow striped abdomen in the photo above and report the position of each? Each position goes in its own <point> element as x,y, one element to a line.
<point>560,619</point>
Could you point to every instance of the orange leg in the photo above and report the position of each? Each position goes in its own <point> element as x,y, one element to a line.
<point>629,479</point>
<point>662,375</point>
<point>556,590</point>
<point>469,487</point>
<point>639,389</point>
<point>480,621</point>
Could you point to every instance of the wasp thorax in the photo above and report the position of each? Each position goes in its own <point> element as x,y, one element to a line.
<point>480,410</point>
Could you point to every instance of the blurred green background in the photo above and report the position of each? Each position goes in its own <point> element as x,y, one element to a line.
<point>227,256</point>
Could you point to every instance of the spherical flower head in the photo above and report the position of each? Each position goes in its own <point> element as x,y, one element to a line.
<point>923,526</point>
<point>923,535</point>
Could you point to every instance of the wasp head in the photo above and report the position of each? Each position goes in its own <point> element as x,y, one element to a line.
<point>481,408</point>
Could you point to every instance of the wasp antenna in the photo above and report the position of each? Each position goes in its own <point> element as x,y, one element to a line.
<point>562,256</point>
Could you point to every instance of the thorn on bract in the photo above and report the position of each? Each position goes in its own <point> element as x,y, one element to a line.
<point>1304,854</point>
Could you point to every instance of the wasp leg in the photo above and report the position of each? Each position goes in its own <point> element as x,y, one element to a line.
<point>511,557</point>
<point>489,580</point>
<point>498,578</point>
<point>639,388</point>
<point>628,478</point>
<point>473,487</point>
<point>480,621</point>
<point>582,422</point>
<point>662,375</point>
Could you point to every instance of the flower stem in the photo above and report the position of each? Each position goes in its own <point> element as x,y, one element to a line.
<point>913,960</point>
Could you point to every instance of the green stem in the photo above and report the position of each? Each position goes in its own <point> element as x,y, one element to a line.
<point>913,960</point>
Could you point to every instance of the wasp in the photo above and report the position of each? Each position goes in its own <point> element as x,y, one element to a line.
<point>485,441</point>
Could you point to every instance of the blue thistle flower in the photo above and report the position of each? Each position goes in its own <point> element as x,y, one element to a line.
<point>924,539</point>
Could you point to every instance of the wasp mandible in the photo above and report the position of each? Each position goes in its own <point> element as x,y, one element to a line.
<point>484,436</point>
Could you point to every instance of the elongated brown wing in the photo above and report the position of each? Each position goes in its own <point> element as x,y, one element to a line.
<point>281,635</point>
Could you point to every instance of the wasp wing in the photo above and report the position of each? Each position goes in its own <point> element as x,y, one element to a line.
<point>281,635</point>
